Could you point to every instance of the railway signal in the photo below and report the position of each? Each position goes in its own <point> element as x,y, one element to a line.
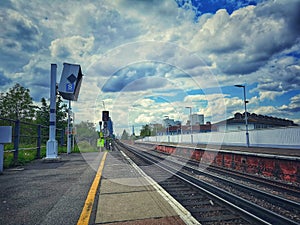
<point>105,116</point>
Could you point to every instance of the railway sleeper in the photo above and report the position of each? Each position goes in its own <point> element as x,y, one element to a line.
<point>229,218</point>
<point>200,201</point>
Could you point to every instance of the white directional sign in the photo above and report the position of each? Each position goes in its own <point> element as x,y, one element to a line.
<point>70,81</point>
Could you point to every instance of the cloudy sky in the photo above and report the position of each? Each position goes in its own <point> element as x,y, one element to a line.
<point>145,59</point>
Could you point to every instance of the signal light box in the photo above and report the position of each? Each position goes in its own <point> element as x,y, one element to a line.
<point>70,81</point>
<point>105,115</point>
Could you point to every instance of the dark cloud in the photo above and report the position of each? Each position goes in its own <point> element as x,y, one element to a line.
<point>19,30</point>
<point>292,109</point>
<point>41,77</point>
<point>12,61</point>
<point>233,65</point>
<point>294,105</point>
<point>287,10</point>
<point>146,84</point>
<point>4,80</point>
<point>282,74</point>
<point>251,41</point>
<point>270,86</point>
<point>116,84</point>
<point>247,39</point>
<point>138,77</point>
<point>19,37</point>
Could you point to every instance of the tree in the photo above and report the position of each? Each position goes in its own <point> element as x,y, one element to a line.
<point>43,113</point>
<point>145,131</point>
<point>17,104</point>
<point>86,132</point>
<point>61,113</point>
<point>125,135</point>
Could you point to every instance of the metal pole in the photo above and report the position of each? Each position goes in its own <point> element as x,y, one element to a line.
<point>39,139</point>
<point>180,132</point>
<point>246,117</point>
<point>73,133</point>
<point>51,151</point>
<point>168,133</point>
<point>191,123</point>
<point>246,114</point>
<point>1,157</point>
<point>16,140</point>
<point>69,129</point>
<point>168,130</point>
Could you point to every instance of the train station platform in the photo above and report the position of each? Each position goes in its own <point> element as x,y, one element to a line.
<point>51,193</point>
<point>127,196</point>
<point>286,152</point>
<point>275,163</point>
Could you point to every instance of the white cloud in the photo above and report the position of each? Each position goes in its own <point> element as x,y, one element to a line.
<point>73,47</point>
<point>293,106</point>
<point>279,76</point>
<point>213,106</point>
<point>109,38</point>
<point>266,110</point>
<point>264,95</point>
<point>244,41</point>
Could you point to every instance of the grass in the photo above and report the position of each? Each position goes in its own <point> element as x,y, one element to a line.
<point>23,158</point>
<point>26,156</point>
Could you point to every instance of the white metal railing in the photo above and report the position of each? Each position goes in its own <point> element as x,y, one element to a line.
<point>275,138</point>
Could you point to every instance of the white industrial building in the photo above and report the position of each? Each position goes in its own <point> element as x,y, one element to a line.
<point>196,119</point>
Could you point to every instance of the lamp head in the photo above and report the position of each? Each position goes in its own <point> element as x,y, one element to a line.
<point>239,85</point>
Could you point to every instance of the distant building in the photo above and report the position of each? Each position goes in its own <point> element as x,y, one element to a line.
<point>254,122</point>
<point>187,129</point>
<point>171,122</point>
<point>173,127</point>
<point>168,122</point>
<point>196,119</point>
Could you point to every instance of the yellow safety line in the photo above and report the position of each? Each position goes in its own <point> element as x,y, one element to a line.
<point>88,205</point>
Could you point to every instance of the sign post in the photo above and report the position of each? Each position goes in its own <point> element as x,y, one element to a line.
<point>5,137</point>
<point>51,149</point>
<point>68,88</point>
<point>69,129</point>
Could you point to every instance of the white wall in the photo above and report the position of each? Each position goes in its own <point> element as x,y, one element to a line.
<point>276,138</point>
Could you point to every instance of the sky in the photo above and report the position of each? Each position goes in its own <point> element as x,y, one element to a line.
<point>146,59</point>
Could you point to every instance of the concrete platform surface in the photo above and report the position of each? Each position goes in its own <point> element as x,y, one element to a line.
<point>47,193</point>
<point>126,197</point>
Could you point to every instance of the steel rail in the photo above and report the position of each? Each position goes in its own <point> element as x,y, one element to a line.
<point>255,211</point>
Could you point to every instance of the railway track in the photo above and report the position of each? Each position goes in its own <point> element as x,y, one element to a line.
<point>274,185</point>
<point>208,203</point>
<point>279,188</point>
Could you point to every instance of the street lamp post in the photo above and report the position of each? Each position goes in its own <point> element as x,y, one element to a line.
<point>246,116</point>
<point>188,107</point>
<point>167,117</point>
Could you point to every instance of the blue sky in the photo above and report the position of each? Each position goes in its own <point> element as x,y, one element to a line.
<point>148,59</point>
